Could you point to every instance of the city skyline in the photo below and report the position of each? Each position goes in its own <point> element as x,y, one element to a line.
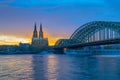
<point>59,18</point>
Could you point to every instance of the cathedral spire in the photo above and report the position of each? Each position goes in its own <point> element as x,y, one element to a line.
<point>40,32</point>
<point>35,32</point>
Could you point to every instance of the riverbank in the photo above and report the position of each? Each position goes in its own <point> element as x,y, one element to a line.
<point>20,52</point>
<point>92,52</point>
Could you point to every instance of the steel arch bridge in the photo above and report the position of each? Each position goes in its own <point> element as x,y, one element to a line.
<point>64,42</point>
<point>92,32</point>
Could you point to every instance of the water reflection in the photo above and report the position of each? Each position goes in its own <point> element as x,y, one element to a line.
<point>58,67</point>
<point>39,70</point>
<point>108,68</point>
<point>45,67</point>
<point>52,67</point>
<point>15,67</point>
<point>61,67</point>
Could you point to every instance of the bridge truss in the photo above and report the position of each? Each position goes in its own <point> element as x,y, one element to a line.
<point>91,32</point>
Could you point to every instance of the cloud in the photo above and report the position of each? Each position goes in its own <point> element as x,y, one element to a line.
<point>12,40</point>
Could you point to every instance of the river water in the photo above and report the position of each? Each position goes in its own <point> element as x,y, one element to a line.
<point>59,67</point>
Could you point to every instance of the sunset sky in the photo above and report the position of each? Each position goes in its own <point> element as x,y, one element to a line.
<point>60,18</point>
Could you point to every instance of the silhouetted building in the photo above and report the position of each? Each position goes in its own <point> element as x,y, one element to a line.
<point>24,46</point>
<point>35,32</point>
<point>39,43</point>
<point>40,32</point>
<point>8,48</point>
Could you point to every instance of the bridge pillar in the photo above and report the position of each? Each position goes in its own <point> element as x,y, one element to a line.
<point>97,36</point>
<point>90,38</point>
<point>107,33</point>
<point>93,37</point>
<point>87,39</point>
<point>104,34</point>
<point>100,35</point>
<point>111,34</point>
<point>117,35</point>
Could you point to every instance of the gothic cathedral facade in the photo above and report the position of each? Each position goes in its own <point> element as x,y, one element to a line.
<point>38,41</point>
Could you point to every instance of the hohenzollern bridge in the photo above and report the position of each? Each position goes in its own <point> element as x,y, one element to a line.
<point>92,34</point>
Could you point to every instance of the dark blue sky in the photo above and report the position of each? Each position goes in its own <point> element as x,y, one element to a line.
<point>59,17</point>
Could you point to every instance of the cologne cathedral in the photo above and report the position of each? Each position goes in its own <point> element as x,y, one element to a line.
<point>38,41</point>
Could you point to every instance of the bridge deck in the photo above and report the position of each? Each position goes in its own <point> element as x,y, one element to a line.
<point>95,43</point>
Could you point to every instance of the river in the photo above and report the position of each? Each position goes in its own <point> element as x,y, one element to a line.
<point>59,67</point>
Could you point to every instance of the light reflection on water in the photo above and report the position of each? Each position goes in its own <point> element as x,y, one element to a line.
<point>52,65</point>
<point>58,67</point>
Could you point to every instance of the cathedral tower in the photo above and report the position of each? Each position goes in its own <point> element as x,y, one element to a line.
<point>39,43</point>
<point>35,32</point>
<point>40,32</point>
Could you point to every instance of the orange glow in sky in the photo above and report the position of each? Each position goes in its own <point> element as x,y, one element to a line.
<point>52,39</point>
<point>13,40</point>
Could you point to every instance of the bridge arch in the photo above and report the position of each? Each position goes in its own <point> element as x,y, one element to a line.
<point>64,42</point>
<point>92,31</point>
<point>97,30</point>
